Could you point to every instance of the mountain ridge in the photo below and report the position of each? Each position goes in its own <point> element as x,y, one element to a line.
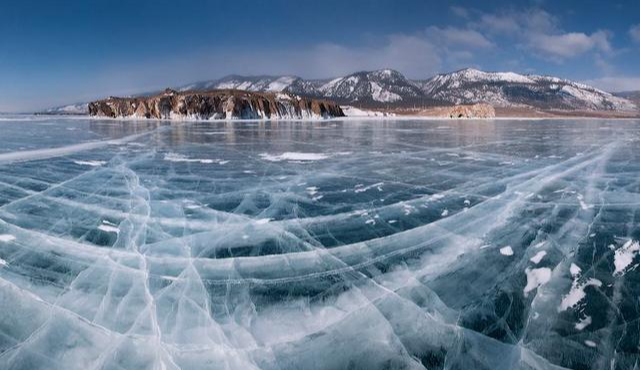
<point>388,88</point>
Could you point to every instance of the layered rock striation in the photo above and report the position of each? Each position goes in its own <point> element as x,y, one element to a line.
<point>216,104</point>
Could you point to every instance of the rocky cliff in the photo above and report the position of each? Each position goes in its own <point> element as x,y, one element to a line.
<point>216,104</point>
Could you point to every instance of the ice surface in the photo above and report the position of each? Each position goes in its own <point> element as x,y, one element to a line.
<point>319,245</point>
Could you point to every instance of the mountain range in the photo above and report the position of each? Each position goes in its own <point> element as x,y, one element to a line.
<point>389,88</point>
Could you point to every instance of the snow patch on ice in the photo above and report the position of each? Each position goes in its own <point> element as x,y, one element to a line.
<point>538,257</point>
<point>175,157</point>
<point>577,293</point>
<point>574,269</point>
<point>293,156</point>
<point>7,238</point>
<point>580,325</point>
<point>108,227</point>
<point>536,278</point>
<point>91,163</point>
<point>625,255</point>
<point>506,251</point>
<point>350,111</point>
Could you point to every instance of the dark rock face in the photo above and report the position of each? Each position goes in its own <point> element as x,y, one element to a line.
<point>217,104</point>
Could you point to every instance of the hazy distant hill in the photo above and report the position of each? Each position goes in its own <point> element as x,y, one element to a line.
<point>633,96</point>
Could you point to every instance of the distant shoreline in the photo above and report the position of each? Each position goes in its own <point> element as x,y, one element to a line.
<point>405,117</point>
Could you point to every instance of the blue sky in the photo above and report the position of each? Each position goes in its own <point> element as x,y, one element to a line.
<point>58,52</point>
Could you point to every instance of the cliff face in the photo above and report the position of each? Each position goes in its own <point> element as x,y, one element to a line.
<point>217,104</point>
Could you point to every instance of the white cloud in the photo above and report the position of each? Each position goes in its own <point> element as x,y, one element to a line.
<point>569,45</point>
<point>616,84</point>
<point>634,32</point>
<point>540,32</point>
<point>517,23</point>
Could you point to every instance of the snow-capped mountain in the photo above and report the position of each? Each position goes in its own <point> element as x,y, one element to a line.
<point>508,89</point>
<point>389,88</point>
<point>79,108</point>
<point>247,83</point>
<point>468,86</point>
<point>383,86</point>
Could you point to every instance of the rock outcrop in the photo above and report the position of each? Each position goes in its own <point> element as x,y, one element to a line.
<point>472,111</point>
<point>216,104</point>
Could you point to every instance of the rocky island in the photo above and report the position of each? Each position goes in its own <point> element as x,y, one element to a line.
<point>216,104</point>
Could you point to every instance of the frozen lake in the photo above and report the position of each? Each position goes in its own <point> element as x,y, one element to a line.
<point>323,245</point>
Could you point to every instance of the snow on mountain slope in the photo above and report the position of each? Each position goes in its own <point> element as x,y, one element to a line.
<point>79,108</point>
<point>633,96</point>
<point>385,86</point>
<point>250,83</point>
<point>510,89</point>
<point>457,79</point>
<point>467,86</point>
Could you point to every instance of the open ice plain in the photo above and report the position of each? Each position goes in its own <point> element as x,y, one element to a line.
<point>319,245</point>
